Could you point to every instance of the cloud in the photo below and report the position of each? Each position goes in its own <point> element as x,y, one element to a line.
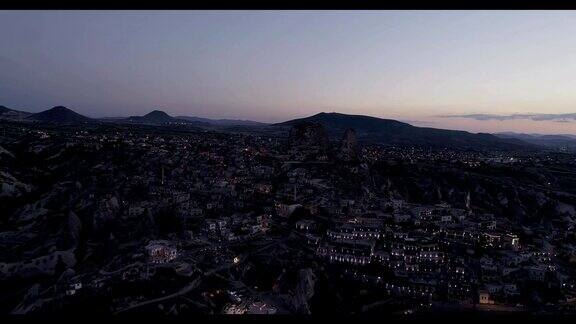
<point>564,118</point>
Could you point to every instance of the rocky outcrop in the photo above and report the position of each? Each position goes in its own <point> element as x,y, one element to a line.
<point>44,265</point>
<point>309,141</point>
<point>297,293</point>
<point>74,227</point>
<point>12,187</point>
<point>349,146</point>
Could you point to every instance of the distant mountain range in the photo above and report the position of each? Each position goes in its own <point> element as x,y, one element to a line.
<point>157,117</point>
<point>388,131</point>
<point>566,141</point>
<point>368,129</point>
<point>223,122</point>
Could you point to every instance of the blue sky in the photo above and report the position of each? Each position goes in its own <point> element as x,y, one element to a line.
<point>418,66</point>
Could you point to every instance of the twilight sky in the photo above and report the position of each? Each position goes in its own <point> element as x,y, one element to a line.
<point>423,67</point>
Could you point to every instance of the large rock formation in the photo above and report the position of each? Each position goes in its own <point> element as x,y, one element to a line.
<point>349,146</point>
<point>74,227</point>
<point>309,141</point>
<point>308,134</point>
<point>296,289</point>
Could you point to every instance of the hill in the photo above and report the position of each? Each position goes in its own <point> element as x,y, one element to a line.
<point>12,114</point>
<point>563,141</point>
<point>60,115</point>
<point>388,131</point>
<point>223,122</point>
<point>155,117</point>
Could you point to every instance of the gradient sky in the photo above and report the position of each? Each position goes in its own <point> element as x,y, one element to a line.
<point>415,66</point>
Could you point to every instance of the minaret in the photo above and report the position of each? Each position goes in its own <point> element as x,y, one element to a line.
<point>162,181</point>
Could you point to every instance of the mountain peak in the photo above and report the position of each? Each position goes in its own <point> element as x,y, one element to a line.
<point>153,117</point>
<point>157,113</point>
<point>341,121</point>
<point>59,114</point>
<point>329,114</point>
<point>60,109</point>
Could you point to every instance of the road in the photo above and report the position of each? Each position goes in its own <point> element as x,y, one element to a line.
<point>186,289</point>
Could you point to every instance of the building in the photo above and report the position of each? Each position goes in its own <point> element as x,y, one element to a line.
<point>161,251</point>
<point>484,297</point>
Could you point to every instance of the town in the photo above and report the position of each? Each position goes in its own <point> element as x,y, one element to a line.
<point>123,219</point>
